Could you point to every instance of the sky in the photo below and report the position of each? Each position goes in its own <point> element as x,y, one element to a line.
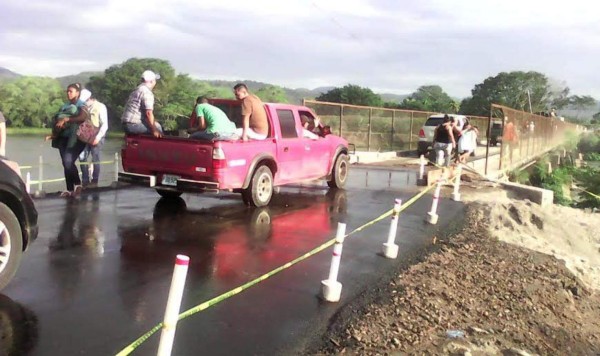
<point>389,46</point>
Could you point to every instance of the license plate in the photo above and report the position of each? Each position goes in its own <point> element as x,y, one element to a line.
<point>171,180</point>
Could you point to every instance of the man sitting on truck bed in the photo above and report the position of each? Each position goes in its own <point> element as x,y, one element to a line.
<point>254,116</point>
<point>138,115</point>
<point>211,122</point>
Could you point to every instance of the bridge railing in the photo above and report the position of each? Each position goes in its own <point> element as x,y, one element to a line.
<point>525,136</point>
<point>375,128</point>
<point>36,186</point>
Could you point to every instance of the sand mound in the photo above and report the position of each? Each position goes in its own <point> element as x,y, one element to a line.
<point>568,234</point>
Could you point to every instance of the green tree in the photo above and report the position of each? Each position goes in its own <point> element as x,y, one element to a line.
<point>175,94</point>
<point>31,101</point>
<point>581,103</point>
<point>352,94</point>
<point>272,93</point>
<point>511,89</point>
<point>429,98</point>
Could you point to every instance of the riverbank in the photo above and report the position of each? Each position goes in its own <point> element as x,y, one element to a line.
<point>40,131</point>
<point>488,289</point>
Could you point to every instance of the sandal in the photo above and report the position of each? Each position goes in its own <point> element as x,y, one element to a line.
<point>65,194</point>
<point>77,191</point>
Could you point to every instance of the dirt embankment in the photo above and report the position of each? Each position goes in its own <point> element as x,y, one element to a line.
<point>481,295</point>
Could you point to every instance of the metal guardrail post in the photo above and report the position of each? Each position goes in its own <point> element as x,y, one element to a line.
<point>410,133</point>
<point>116,166</point>
<point>369,133</point>
<point>28,183</point>
<point>393,131</point>
<point>341,119</point>
<point>41,174</point>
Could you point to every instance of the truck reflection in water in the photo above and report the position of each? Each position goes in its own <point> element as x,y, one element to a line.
<point>18,328</point>
<point>228,245</point>
<point>224,239</point>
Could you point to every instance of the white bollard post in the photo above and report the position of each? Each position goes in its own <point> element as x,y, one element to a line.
<point>390,249</point>
<point>40,174</point>
<point>421,177</point>
<point>28,183</point>
<point>331,288</point>
<point>432,216</point>
<point>116,166</point>
<point>167,335</point>
<point>456,193</point>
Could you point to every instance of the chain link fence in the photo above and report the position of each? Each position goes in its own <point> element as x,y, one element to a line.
<point>375,128</point>
<point>523,135</point>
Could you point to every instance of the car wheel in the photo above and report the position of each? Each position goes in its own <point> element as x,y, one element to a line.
<point>169,194</point>
<point>11,244</point>
<point>260,190</point>
<point>339,173</point>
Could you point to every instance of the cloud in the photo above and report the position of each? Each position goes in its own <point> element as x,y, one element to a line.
<point>383,44</point>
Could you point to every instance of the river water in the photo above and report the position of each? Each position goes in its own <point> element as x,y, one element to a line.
<point>26,150</point>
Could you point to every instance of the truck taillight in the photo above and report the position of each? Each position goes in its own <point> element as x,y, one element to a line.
<point>422,133</point>
<point>218,153</point>
<point>219,158</point>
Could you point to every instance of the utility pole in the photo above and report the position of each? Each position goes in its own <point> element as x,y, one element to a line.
<point>529,98</point>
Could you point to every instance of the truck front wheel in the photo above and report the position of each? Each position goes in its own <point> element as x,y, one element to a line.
<point>260,190</point>
<point>339,173</point>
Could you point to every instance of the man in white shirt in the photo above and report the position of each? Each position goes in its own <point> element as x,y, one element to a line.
<point>99,118</point>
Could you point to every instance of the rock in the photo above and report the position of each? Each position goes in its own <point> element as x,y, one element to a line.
<point>477,330</point>
<point>515,352</point>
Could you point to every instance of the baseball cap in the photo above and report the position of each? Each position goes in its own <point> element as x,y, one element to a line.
<point>84,95</point>
<point>149,75</point>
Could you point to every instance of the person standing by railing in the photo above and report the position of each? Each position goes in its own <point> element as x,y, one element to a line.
<point>64,137</point>
<point>99,118</point>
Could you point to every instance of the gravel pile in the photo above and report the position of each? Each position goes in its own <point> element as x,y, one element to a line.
<point>475,295</point>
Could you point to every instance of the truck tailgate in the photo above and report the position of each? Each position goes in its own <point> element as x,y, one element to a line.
<point>189,159</point>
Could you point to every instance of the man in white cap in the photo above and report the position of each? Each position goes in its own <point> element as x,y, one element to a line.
<point>138,114</point>
<point>99,118</point>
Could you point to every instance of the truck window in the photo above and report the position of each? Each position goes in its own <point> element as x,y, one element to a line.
<point>287,124</point>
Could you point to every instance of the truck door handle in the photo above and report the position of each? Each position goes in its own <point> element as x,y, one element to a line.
<point>307,148</point>
<point>285,149</point>
<point>134,143</point>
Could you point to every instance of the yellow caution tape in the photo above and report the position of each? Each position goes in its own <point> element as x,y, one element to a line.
<point>203,306</point>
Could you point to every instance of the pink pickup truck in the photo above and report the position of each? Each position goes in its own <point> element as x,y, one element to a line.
<point>173,165</point>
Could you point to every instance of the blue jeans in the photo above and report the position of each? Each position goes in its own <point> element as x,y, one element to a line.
<point>68,157</point>
<point>85,168</point>
<point>203,135</point>
<point>140,127</point>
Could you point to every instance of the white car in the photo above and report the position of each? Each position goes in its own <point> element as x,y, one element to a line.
<point>426,132</point>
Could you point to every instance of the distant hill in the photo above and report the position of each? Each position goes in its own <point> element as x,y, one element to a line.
<point>7,74</point>
<point>395,98</point>
<point>83,78</point>
<point>295,96</point>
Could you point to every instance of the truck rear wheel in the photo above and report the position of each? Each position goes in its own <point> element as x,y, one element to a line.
<point>339,173</point>
<point>169,194</point>
<point>260,190</point>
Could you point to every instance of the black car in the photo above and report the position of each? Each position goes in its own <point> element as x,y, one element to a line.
<point>18,220</point>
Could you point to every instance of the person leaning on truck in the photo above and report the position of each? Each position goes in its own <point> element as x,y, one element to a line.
<point>211,122</point>
<point>138,115</point>
<point>254,116</point>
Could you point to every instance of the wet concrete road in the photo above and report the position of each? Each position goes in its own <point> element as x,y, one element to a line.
<point>98,276</point>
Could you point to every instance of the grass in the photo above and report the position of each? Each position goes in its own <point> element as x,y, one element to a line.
<point>40,131</point>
